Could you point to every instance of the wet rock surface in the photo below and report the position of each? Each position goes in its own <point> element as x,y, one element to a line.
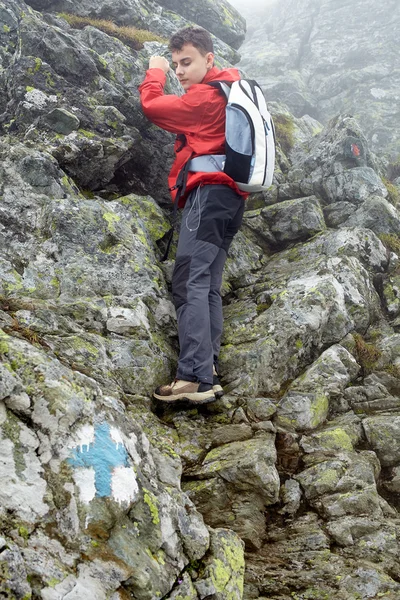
<point>287,487</point>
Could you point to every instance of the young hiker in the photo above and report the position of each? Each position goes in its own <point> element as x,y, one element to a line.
<point>213,206</point>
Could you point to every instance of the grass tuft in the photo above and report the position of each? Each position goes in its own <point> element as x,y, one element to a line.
<point>391,242</point>
<point>284,131</point>
<point>367,354</point>
<point>132,37</point>
<point>393,192</point>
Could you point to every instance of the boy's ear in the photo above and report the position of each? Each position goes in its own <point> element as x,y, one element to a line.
<point>210,60</point>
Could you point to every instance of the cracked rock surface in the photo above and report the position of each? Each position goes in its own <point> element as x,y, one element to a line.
<point>285,488</point>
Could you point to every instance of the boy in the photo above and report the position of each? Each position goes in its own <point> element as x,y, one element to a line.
<point>213,207</point>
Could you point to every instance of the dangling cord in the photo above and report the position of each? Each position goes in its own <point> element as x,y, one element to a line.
<point>195,201</point>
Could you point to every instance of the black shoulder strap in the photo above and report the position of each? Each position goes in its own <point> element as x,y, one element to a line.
<point>221,85</point>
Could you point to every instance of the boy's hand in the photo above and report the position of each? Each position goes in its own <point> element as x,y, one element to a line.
<point>159,62</point>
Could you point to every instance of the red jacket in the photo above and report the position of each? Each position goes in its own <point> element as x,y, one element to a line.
<point>199,115</point>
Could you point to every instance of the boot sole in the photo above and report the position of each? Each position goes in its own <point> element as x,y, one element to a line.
<point>218,391</point>
<point>195,399</point>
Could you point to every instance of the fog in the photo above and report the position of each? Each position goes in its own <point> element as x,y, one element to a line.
<point>251,5</point>
<point>250,8</point>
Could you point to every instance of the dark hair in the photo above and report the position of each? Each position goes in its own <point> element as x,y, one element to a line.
<point>197,36</point>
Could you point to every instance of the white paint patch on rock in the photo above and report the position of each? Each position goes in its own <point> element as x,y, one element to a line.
<point>124,486</point>
<point>83,437</point>
<point>116,436</point>
<point>85,481</point>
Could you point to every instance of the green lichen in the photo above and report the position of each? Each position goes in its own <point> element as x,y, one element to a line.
<point>23,532</point>
<point>151,502</point>
<point>29,88</point>
<point>111,219</point>
<point>328,479</point>
<point>319,409</point>
<point>49,80</point>
<point>335,439</point>
<point>220,575</point>
<point>87,134</point>
<point>6,29</point>
<point>4,343</point>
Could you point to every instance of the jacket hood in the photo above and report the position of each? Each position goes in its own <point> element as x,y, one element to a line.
<point>216,74</point>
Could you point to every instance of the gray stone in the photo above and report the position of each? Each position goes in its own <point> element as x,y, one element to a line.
<point>220,18</point>
<point>291,497</point>
<point>260,409</point>
<point>383,435</point>
<point>294,219</point>
<point>8,382</point>
<point>19,402</point>
<point>378,215</point>
<point>224,569</point>
<point>306,404</point>
<point>62,121</point>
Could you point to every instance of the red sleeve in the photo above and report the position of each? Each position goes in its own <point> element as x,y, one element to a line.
<point>172,113</point>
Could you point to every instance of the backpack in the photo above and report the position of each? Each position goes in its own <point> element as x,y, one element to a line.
<point>249,138</point>
<point>249,144</point>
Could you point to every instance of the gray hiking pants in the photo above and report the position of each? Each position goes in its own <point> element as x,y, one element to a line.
<point>210,219</point>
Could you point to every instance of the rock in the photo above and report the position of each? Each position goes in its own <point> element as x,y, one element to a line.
<point>8,382</point>
<point>220,18</point>
<point>378,215</point>
<point>18,403</point>
<point>291,497</point>
<point>383,435</point>
<point>62,121</point>
<point>294,219</point>
<point>13,568</point>
<point>260,409</point>
<point>245,468</point>
<point>103,494</point>
<point>305,406</point>
<point>231,433</point>
<point>224,570</point>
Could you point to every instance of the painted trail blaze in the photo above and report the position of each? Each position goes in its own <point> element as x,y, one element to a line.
<point>103,455</point>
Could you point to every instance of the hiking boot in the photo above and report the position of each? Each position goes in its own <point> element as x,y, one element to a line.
<point>180,390</point>
<point>217,387</point>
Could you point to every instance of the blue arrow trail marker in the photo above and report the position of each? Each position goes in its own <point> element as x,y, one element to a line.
<point>103,455</point>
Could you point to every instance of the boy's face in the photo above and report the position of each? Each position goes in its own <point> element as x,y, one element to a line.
<point>190,65</point>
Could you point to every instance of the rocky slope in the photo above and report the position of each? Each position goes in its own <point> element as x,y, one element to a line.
<point>322,57</point>
<point>285,488</point>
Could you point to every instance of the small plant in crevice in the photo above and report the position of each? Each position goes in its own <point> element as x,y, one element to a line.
<point>393,192</point>
<point>394,170</point>
<point>284,132</point>
<point>367,353</point>
<point>132,37</point>
<point>391,242</point>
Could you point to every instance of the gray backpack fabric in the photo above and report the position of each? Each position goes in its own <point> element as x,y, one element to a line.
<point>249,138</point>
